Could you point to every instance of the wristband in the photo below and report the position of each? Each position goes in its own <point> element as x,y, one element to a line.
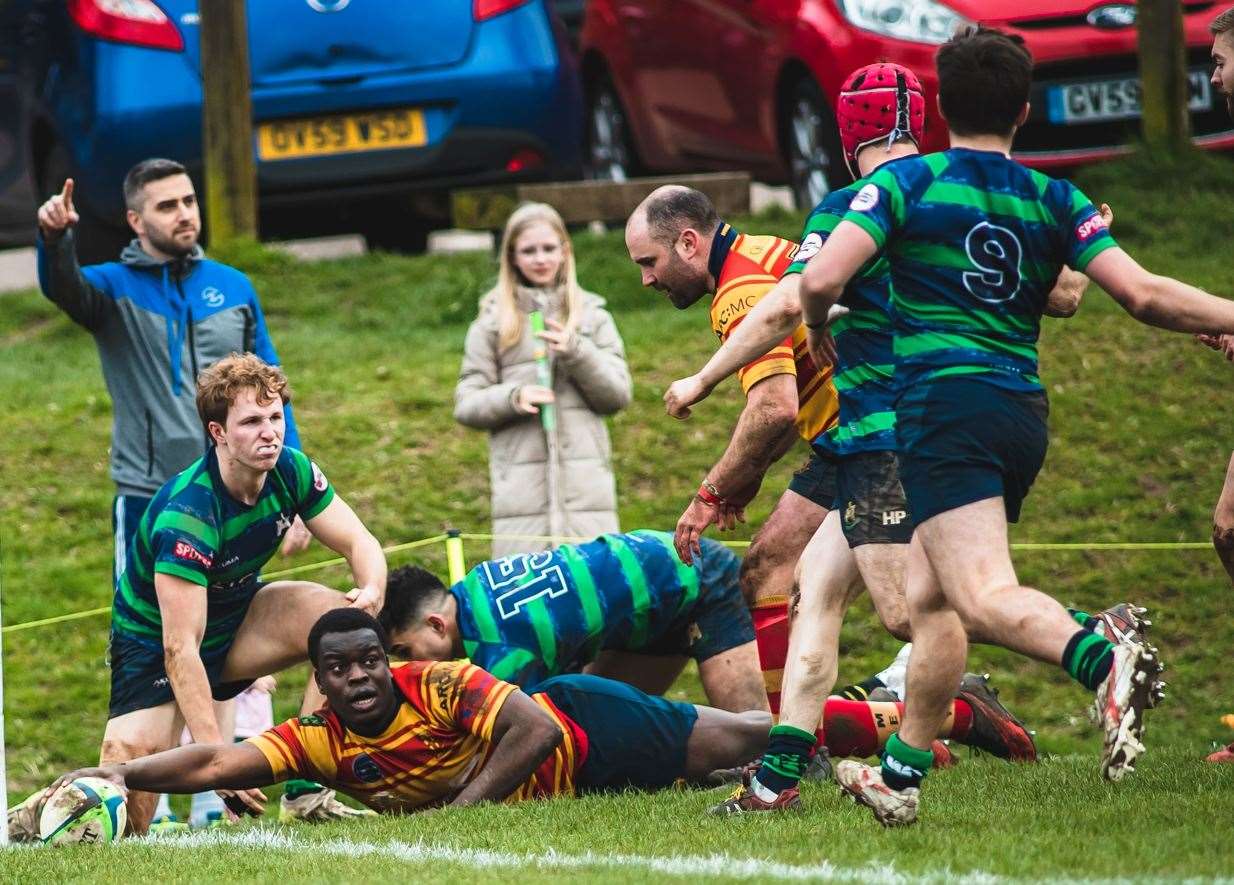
<point>814,327</point>
<point>709,495</point>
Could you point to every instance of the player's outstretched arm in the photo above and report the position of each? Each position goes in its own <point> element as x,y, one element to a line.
<point>769,322</point>
<point>189,769</point>
<point>340,529</point>
<point>1160,301</point>
<point>523,737</point>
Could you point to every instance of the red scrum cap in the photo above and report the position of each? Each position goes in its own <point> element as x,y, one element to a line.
<point>882,101</point>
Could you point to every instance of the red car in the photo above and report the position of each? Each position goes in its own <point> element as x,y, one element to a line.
<point>677,85</point>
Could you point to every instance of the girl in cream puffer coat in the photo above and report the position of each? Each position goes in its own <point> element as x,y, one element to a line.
<point>498,389</point>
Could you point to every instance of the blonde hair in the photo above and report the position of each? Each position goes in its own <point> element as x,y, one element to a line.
<point>511,321</point>
<point>220,385</point>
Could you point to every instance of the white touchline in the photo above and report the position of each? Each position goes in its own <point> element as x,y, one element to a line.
<point>715,865</point>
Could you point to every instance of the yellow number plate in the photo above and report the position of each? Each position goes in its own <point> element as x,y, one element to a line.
<point>344,133</point>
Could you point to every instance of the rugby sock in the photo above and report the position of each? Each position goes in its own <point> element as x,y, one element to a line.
<point>862,728</point>
<point>297,787</point>
<point>1088,658</point>
<point>904,766</point>
<point>1084,619</point>
<point>859,691</point>
<point>771,636</point>
<point>788,752</point>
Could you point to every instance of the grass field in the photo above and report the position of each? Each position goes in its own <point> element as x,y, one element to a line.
<point>1139,443</point>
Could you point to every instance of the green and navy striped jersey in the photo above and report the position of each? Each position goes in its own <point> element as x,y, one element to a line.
<point>528,617</point>
<point>194,529</point>
<point>865,365</point>
<point>975,242</point>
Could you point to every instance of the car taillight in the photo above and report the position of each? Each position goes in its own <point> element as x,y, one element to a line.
<point>486,9</point>
<point>524,160</point>
<point>137,22</point>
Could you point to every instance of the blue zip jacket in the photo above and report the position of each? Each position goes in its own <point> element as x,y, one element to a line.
<point>157,326</point>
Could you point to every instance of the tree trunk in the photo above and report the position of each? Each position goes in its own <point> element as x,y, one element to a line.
<point>227,122</point>
<point>1163,76</point>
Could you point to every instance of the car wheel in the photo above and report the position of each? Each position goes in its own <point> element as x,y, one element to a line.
<point>96,240</point>
<point>811,144</point>
<point>610,151</point>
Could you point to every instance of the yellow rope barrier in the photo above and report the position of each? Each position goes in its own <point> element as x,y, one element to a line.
<point>455,561</point>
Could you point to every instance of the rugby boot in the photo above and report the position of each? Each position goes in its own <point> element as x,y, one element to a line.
<point>745,801</point>
<point>1123,621</point>
<point>994,729</point>
<point>1120,704</point>
<point>1129,621</point>
<point>739,774</point>
<point>819,767</point>
<point>943,757</point>
<point>318,807</point>
<point>864,784</point>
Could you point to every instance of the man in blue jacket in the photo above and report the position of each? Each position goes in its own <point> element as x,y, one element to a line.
<point>160,315</point>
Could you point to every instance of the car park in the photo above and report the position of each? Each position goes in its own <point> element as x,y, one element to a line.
<point>366,112</point>
<point>688,85</point>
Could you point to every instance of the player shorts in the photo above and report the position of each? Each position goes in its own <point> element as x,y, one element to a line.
<point>139,676</point>
<point>816,480</point>
<point>871,501</point>
<point>719,620</point>
<point>634,740</point>
<point>962,440</point>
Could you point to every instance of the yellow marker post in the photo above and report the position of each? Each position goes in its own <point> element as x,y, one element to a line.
<point>454,556</point>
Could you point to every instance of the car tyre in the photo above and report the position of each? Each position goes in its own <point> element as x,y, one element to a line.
<point>610,154</point>
<point>811,145</point>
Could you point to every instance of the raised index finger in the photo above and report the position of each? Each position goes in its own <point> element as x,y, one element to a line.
<point>67,193</point>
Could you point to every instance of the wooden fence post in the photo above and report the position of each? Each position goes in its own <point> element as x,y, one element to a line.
<point>227,122</point>
<point>1163,76</point>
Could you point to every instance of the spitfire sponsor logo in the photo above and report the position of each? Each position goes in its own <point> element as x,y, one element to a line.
<point>319,479</point>
<point>809,247</point>
<point>1090,227</point>
<point>866,199</point>
<point>185,550</point>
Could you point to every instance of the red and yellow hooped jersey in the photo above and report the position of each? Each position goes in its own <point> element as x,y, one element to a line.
<point>439,741</point>
<point>750,270</point>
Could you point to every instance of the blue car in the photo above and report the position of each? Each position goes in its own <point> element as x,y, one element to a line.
<point>366,112</point>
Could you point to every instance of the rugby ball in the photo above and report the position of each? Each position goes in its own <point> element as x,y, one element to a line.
<point>86,811</point>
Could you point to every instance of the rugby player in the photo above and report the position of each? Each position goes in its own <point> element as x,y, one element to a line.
<point>864,538</point>
<point>684,250</point>
<point>191,621</point>
<point>429,734</point>
<point>1222,29</point>
<point>626,607</point>
<point>975,242</point>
